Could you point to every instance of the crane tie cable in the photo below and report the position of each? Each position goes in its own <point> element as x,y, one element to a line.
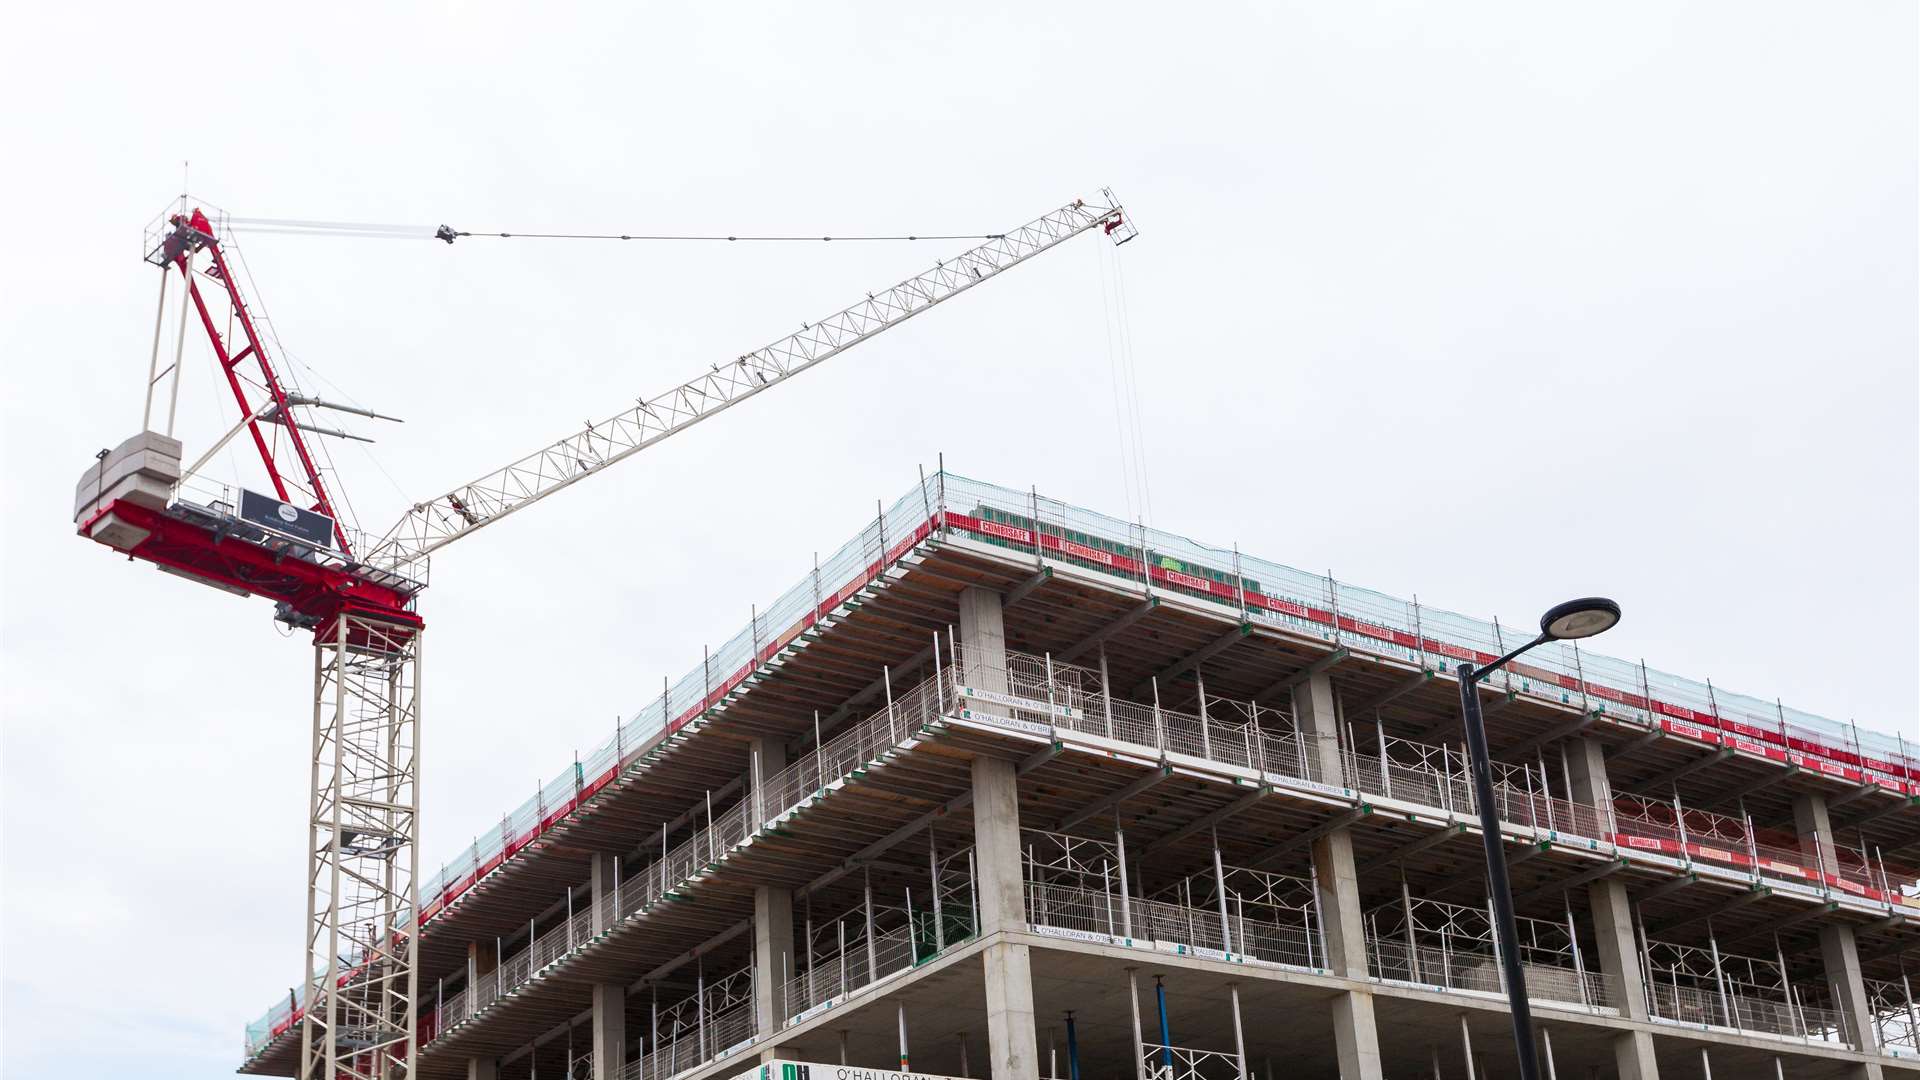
<point>447,233</point>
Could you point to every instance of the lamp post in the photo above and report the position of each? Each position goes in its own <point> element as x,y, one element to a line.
<point>1570,621</point>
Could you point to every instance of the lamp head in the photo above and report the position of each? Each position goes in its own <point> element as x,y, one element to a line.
<point>1581,618</point>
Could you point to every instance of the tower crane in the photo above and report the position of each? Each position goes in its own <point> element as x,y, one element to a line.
<point>359,597</point>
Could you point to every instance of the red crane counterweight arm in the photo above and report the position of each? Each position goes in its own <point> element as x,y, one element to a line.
<point>193,233</point>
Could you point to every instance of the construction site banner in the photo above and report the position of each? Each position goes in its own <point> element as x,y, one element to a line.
<point>813,1070</point>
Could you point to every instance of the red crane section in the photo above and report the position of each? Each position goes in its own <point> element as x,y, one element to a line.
<point>132,500</point>
<point>193,233</point>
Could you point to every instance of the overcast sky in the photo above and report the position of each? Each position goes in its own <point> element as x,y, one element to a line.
<point>1495,303</point>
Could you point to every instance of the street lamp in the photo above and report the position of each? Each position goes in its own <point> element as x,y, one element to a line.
<point>1570,621</point>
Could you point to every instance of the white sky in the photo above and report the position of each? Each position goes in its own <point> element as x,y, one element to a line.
<point>1496,303</point>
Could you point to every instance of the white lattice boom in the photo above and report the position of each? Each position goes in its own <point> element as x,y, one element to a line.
<point>439,521</point>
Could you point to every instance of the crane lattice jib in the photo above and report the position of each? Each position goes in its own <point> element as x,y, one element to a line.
<point>437,522</point>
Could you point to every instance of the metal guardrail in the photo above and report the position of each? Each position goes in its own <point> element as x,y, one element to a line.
<point>1160,1062</point>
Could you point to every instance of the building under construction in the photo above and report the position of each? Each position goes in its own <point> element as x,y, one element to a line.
<point>1011,789</point>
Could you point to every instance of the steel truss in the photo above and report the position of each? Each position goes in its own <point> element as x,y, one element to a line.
<point>361,941</point>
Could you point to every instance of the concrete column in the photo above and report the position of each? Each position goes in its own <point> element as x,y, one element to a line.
<point>602,871</point>
<point>1839,953</point>
<point>1012,1045</point>
<point>772,956</point>
<point>772,913</point>
<point>609,999</point>
<point>1355,1034</point>
<point>983,639</point>
<point>1613,922</point>
<point>483,1069</point>
<point>482,957</point>
<point>609,1030</point>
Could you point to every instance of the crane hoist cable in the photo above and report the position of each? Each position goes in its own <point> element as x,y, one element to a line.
<point>448,234</point>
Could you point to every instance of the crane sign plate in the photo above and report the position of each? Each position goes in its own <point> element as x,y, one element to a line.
<point>306,526</point>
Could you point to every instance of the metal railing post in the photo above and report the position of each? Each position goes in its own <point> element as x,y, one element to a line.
<point>973,897</point>
<point>1239,1034</point>
<point>1413,948</point>
<point>1220,887</point>
<point>873,950</point>
<point>1106,691</point>
<point>1052,709</point>
<point>939,679</point>
<point>1159,724</point>
<point>886,677</point>
<point>1573,941</point>
<point>1139,1046</point>
<point>933,875</point>
<point>1106,892</point>
<point>1380,734</point>
<point>1206,740</point>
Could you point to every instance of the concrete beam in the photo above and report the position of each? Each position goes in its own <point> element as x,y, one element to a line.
<point>1132,615</point>
<point>1679,772</point>
<point>869,692</point>
<point>1877,812</point>
<point>1734,795</point>
<point>1591,874</point>
<point>1025,588</point>
<point>1615,753</point>
<point>1195,658</point>
<point>1751,896</point>
<point>871,851</point>
<point>1561,731</point>
<point>1452,723</point>
<point>1298,678</point>
<point>1683,880</point>
<point>1108,802</point>
<point>1300,840</point>
<point>1777,925</point>
<point>1860,791</point>
<point>702,949</point>
<point>1516,854</point>
<point>1408,850</point>
<point>651,848</point>
<point>1206,821</point>
<point>1399,691</point>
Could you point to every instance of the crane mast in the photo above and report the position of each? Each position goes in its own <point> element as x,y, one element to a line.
<point>360,1007</point>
